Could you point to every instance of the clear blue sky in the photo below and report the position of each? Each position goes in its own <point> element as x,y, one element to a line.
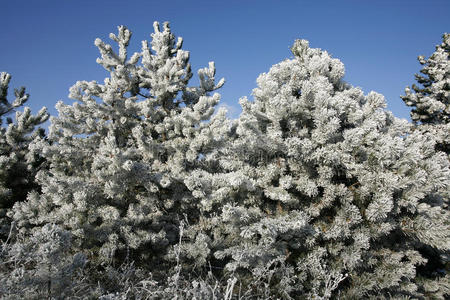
<point>48,45</point>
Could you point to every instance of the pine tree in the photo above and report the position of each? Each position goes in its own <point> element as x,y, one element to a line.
<point>118,157</point>
<point>18,164</point>
<point>431,98</point>
<point>324,193</point>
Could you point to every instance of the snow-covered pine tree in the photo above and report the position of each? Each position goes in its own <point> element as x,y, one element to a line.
<point>327,194</point>
<point>430,99</point>
<point>18,165</point>
<point>118,156</point>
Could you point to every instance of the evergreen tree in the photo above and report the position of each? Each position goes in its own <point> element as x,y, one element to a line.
<point>118,156</point>
<point>324,193</point>
<point>18,164</point>
<point>431,98</point>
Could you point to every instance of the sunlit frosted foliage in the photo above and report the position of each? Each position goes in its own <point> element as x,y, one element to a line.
<point>17,163</point>
<point>430,99</point>
<point>118,156</point>
<point>315,192</point>
<point>40,266</point>
<point>328,188</point>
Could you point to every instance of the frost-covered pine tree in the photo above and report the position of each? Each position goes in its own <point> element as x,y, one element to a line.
<point>118,157</point>
<point>430,99</point>
<point>326,193</point>
<point>18,165</point>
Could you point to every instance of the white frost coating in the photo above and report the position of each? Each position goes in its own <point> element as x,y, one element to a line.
<point>430,98</point>
<point>315,192</point>
<point>322,178</point>
<point>129,144</point>
<point>19,158</point>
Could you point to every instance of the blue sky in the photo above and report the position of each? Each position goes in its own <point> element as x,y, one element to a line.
<point>48,45</point>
